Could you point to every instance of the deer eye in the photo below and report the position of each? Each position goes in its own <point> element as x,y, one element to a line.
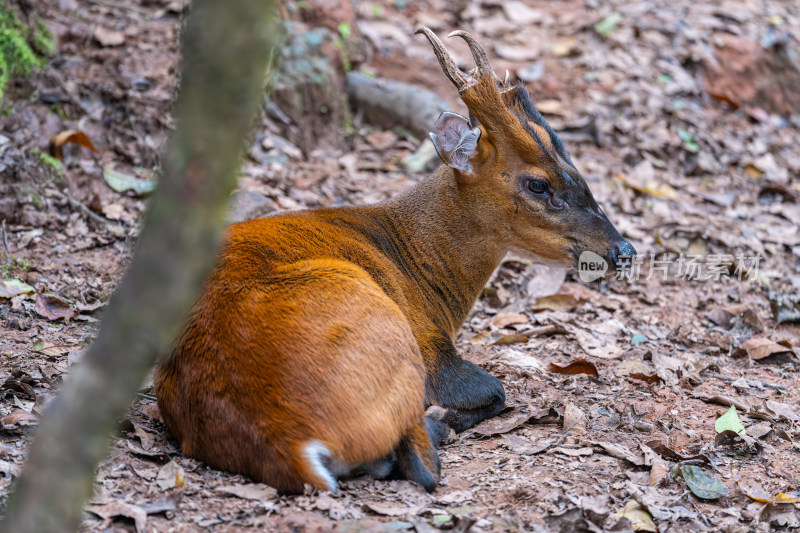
<point>537,186</point>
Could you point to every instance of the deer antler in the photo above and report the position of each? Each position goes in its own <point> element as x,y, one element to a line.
<point>484,68</point>
<point>488,98</point>
<point>459,79</point>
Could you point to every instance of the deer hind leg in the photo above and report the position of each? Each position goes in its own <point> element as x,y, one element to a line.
<point>416,458</point>
<point>467,393</point>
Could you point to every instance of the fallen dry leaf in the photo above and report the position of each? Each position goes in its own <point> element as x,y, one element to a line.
<point>653,188</point>
<point>521,446</point>
<point>780,411</point>
<point>665,451</point>
<point>250,491</point>
<point>764,350</point>
<point>491,338</point>
<point>731,438</point>
<point>649,379</point>
<point>58,141</point>
<point>108,37</point>
<point>113,211</point>
<point>53,307</point>
<point>503,320</point>
<point>666,362</point>
<point>520,12</point>
<point>170,476</point>
<point>395,509</point>
<point>759,430</point>
<point>546,281</point>
<point>501,424</point>
<point>153,455</point>
<point>551,107</point>
<point>547,415</point>
<point>580,366</point>
<point>14,287</point>
<point>9,469</point>
<point>519,53</point>
<point>144,437</point>
<point>554,302</point>
<point>762,496</point>
<point>620,452</point>
<point>166,503</point>
<point>659,469</point>
<point>596,343</point>
<point>658,473</point>
<point>720,317</point>
<point>50,349</point>
<point>574,419</point>
<point>567,47</point>
<point>573,452</point>
<point>632,366</point>
<point>521,359</point>
<point>19,417</point>
<point>112,510</point>
<point>639,518</point>
<point>740,403</point>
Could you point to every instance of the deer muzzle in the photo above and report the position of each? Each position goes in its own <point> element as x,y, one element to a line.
<point>621,254</point>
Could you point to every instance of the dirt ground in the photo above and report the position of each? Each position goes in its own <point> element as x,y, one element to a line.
<point>683,118</point>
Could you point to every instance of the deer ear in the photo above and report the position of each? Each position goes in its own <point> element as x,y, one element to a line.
<point>455,141</point>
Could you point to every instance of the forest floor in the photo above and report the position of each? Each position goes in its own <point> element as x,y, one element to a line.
<point>680,117</point>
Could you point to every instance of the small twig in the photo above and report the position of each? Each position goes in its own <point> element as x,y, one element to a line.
<point>72,98</point>
<point>757,383</point>
<point>682,496</point>
<point>146,415</point>
<point>83,207</point>
<point>5,243</point>
<point>692,462</point>
<point>560,440</point>
<point>541,331</point>
<point>701,513</point>
<point>123,6</point>
<point>146,396</point>
<point>676,500</point>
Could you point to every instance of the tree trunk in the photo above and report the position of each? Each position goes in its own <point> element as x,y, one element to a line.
<point>226,49</point>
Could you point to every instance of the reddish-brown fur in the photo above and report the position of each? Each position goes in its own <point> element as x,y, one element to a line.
<point>336,325</point>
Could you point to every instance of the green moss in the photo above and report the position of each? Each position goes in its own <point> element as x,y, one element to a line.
<point>42,39</point>
<point>59,110</point>
<point>343,42</point>
<point>47,162</point>
<point>13,266</point>
<point>22,48</point>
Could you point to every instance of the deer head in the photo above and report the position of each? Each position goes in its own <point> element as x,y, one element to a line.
<point>514,170</point>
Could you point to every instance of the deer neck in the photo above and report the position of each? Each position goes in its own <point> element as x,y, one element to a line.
<point>453,251</point>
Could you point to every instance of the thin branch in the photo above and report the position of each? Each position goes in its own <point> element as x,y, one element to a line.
<point>5,243</point>
<point>225,52</point>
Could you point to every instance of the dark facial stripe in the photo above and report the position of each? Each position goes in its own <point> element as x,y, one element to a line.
<point>524,104</point>
<point>558,164</point>
<point>532,133</point>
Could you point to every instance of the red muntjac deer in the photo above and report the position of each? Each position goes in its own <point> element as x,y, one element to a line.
<point>322,335</point>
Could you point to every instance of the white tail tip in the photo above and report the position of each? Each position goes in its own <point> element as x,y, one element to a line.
<point>314,453</point>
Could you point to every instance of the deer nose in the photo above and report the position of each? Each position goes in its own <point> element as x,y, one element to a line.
<point>620,250</point>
